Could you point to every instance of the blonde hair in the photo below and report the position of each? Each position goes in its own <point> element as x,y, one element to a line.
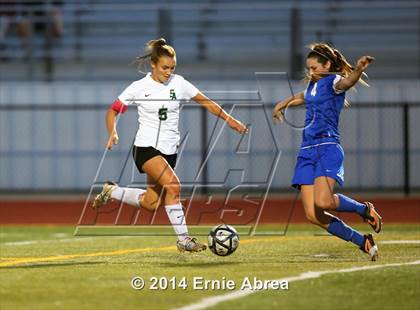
<point>154,49</point>
<point>323,52</point>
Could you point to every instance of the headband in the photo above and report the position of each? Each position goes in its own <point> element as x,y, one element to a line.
<point>324,56</point>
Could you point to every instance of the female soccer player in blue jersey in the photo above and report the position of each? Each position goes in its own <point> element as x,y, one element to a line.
<point>320,161</point>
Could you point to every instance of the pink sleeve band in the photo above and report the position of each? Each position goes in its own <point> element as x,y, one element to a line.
<point>118,106</point>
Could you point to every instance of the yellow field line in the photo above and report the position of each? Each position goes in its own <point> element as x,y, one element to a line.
<point>26,260</point>
<point>13,258</point>
<point>72,256</point>
<point>10,259</point>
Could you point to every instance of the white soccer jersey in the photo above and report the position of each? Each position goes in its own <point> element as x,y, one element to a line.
<point>158,109</point>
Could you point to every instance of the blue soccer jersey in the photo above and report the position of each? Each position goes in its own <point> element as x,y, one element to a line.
<point>321,153</point>
<point>323,106</point>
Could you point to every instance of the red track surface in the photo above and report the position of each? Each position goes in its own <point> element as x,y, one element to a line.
<point>236,211</point>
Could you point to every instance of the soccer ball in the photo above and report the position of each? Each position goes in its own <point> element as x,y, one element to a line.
<point>223,240</point>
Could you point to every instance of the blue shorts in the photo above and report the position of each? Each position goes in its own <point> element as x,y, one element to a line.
<point>316,161</point>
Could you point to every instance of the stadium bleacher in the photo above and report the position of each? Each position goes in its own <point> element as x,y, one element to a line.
<point>219,39</point>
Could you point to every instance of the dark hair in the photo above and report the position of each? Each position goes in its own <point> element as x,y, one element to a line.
<point>323,53</point>
<point>155,49</point>
<point>339,64</point>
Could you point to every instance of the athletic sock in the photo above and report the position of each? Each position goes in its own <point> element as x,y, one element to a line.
<point>177,218</point>
<point>347,204</point>
<point>338,228</point>
<point>128,195</point>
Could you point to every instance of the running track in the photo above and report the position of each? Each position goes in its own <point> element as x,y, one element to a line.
<point>235,211</point>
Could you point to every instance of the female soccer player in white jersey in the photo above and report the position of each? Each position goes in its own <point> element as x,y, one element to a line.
<point>320,160</point>
<point>158,97</point>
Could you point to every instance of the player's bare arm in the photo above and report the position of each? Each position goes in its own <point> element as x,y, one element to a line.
<point>278,111</point>
<point>217,110</point>
<point>353,78</point>
<point>111,128</point>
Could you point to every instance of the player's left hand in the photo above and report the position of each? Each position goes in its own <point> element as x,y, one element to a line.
<point>364,62</point>
<point>237,125</point>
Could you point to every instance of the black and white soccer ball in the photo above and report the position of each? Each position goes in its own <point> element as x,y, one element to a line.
<point>223,240</point>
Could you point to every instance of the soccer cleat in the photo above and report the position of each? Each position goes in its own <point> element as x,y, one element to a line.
<point>190,245</point>
<point>370,247</point>
<point>372,217</point>
<point>103,197</point>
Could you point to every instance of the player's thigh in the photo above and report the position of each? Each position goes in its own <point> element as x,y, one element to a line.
<point>307,197</point>
<point>160,172</point>
<point>314,214</point>
<point>324,192</point>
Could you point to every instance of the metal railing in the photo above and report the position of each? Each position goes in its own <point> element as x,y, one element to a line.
<point>57,148</point>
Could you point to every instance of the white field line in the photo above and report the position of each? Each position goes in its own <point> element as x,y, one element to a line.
<point>26,242</point>
<point>212,301</point>
<point>400,242</point>
<point>20,242</point>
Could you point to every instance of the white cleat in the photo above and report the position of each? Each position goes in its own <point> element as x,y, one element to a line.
<point>103,197</point>
<point>190,245</point>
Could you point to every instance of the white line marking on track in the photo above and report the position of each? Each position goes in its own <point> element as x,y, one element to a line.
<point>212,301</point>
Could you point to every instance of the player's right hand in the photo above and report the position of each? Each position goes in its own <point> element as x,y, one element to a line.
<point>113,139</point>
<point>237,125</point>
<point>278,114</point>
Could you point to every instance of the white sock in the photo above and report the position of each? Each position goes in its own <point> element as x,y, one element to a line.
<point>177,218</point>
<point>128,195</point>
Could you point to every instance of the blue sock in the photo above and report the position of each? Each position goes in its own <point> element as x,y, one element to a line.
<point>338,228</point>
<point>349,205</point>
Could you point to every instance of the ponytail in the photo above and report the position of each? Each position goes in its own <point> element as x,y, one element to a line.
<point>154,49</point>
<point>339,64</point>
<point>345,67</point>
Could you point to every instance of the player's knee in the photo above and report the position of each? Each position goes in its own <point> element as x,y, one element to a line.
<point>325,203</point>
<point>312,218</point>
<point>173,189</point>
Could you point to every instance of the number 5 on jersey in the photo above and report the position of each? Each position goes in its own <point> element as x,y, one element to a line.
<point>163,114</point>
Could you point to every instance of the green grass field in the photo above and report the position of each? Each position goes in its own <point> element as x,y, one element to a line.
<point>48,268</point>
